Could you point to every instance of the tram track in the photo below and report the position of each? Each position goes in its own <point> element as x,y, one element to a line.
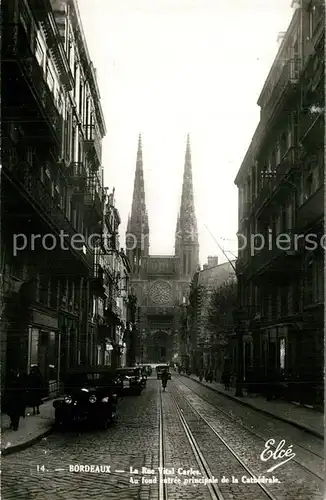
<point>214,490</point>
<point>162,487</point>
<point>248,429</point>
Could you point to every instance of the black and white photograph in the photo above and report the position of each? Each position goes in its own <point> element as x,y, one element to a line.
<point>162,249</point>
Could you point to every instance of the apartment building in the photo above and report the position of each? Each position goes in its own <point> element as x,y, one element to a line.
<point>281,193</point>
<point>52,188</point>
<point>208,343</point>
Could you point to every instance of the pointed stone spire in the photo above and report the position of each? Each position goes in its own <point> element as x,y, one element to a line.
<point>177,237</point>
<point>186,237</point>
<point>139,151</point>
<point>138,221</point>
<point>188,221</point>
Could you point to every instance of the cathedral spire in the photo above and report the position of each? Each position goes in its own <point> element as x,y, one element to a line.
<point>137,229</point>
<point>188,221</point>
<point>139,151</point>
<point>186,237</point>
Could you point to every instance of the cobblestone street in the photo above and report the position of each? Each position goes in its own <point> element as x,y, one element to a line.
<point>42,471</point>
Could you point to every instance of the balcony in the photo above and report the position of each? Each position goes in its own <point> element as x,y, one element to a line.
<point>16,47</point>
<point>284,84</point>
<point>113,308</point>
<point>24,175</point>
<point>278,177</point>
<point>93,143</point>
<point>312,127</point>
<point>319,30</point>
<point>98,280</point>
<point>94,197</point>
<point>78,178</point>
<point>274,261</point>
<point>312,210</point>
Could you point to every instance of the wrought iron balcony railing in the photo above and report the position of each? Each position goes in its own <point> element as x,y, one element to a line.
<point>94,195</point>
<point>24,174</point>
<point>78,171</point>
<point>16,47</point>
<point>93,141</point>
<point>311,119</point>
<point>78,178</point>
<point>265,258</point>
<point>288,77</point>
<point>274,178</point>
<point>312,210</point>
<point>112,306</point>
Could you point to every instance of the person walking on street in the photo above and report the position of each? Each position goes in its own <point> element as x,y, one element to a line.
<point>226,376</point>
<point>165,378</point>
<point>35,389</point>
<point>14,403</point>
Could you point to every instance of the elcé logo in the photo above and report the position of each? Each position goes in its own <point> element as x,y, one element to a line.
<point>277,454</point>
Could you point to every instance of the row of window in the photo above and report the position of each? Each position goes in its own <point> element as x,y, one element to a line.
<point>288,300</point>
<point>291,51</point>
<point>71,143</point>
<point>311,178</point>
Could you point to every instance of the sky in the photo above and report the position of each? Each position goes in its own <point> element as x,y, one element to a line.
<point>167,68</point>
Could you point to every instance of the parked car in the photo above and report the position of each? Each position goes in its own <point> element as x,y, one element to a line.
<point>147,369</point>
<point>91,394</point>
<point>162,368</point>
<point>133,380</point>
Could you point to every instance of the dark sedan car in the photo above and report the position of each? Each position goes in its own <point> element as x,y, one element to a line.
<point>133,380</point>
<point>90,394</point>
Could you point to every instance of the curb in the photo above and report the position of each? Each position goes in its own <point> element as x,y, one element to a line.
<point>266,412</point>
<point>26,444</point>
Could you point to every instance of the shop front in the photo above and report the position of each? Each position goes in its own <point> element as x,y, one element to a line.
<point>44,349</point>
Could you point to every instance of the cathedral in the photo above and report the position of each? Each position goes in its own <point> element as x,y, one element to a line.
<point>160,283</point>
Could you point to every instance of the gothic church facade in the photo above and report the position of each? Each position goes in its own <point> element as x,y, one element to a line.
<point>161,282</point>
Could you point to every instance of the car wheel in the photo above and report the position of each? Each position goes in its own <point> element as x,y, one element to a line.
<point>113,418</point>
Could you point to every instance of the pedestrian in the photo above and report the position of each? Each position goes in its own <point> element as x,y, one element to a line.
<point>35,389</point>
<point>22,380</point>
<point>226,376</point>
<point>14,399</point>
<point>164,378</point>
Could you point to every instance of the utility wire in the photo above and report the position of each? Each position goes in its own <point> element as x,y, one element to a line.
<point>219,246</point>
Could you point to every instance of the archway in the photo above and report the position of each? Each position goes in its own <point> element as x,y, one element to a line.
<point>160,346</point>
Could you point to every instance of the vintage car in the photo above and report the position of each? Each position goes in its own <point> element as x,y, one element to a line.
<point>91,393</point>
<point>147,370</point>
<point>162,368</point>
<point>133,380</point>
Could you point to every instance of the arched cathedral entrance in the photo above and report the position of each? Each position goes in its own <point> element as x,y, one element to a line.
<point>160,347</point>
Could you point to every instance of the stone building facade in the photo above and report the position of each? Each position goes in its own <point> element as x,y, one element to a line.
<point>281,198</point>
<point>161,282</point>
<point>52,195</point>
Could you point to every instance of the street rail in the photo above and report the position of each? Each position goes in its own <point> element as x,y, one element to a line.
<point>163,493</point>
<point>214,491</point>
<point>239,424</point>
<point>261,487</point>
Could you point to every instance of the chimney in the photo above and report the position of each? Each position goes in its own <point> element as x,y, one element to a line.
<point>212,261</point>
<point>280,38</point>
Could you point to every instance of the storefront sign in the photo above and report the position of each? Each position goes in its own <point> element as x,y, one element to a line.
<point>45,320</point>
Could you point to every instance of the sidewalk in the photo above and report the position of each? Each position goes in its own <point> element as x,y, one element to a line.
<point>31,429</point>
<point>304,418</point>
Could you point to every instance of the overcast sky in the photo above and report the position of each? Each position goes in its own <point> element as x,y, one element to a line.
<point>169,67</point>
